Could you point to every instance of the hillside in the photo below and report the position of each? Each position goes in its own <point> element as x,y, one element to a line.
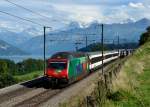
<point>8,49</point>
<point>13,37</point>
<point>131,88</point>
<point>65,40</point>
<point>97,47</point>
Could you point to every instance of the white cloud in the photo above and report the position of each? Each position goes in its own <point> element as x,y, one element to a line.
<point>81,13</point>
<point>136,5</point>
<point>11,26</point>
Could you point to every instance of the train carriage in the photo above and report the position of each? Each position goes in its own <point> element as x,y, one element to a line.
<point>96,59</point>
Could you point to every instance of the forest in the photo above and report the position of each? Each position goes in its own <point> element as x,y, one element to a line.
<point>9,70</point>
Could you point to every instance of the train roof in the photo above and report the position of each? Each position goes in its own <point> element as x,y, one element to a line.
<point>68,55</point>
<point>99,53</point>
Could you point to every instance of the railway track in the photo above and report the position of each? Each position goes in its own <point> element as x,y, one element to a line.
<point>38,99</point>
<point>12,95</point>
<point>36,93</point>
<point>28,94</point>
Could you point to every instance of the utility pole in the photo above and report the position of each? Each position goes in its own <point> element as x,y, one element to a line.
<point>86,41</point>
<point>118,44</point>
<point>113,45</point>
<point>102,44</point>
<point>77,43</point>
<point>76,46</point>
<point>45,47</point>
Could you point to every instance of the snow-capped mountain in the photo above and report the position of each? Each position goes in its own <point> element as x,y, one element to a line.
<point>7,49</point>
<point>29,40</point>
<point>16,38</point>
<point>130,20</point>
<point>73,25</point>
<point>128,32</point>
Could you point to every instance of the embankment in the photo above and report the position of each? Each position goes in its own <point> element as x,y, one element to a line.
<point>126,84</point>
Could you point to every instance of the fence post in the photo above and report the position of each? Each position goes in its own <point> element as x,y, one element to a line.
<point>87,101</point>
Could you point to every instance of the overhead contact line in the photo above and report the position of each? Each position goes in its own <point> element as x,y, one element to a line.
<point>15,16</point>
<point>34,12</point>
<point>29,10</point>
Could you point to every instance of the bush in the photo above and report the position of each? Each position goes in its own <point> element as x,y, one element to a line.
<point>116,96</point>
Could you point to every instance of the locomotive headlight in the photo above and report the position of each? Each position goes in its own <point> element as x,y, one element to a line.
<point>58,71</point>
<point>49,76</point>
<point>64,76</point>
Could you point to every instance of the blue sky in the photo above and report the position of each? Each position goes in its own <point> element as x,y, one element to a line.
<point>62,12</point>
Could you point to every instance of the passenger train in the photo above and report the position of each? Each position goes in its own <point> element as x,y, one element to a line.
<point>68,67</point>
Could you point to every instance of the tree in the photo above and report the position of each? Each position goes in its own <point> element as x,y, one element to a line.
<point>12,67</point>
<point>29,65</point>
<point>6,78</point>
<point>98,47</point>
<point>3,67</point>
<point>148,29</point>
<point>145,37</point>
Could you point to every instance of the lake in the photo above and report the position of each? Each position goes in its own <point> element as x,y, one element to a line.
<point>23,57</point>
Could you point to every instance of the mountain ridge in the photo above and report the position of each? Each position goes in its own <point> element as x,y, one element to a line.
<point>128,32</point>
<point>7,49</point>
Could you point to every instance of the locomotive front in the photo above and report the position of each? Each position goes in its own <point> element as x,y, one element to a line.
<point>57,68</point>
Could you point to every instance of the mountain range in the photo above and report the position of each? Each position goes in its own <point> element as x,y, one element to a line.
<point>8,49</point>
<point>16,38</point>
<point>65,39</point>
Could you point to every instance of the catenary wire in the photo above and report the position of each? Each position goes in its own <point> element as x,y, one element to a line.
<point>29,10</point>
<point>21,18</point>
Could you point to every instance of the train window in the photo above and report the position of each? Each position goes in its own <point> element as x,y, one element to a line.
<point>108,56</point>
<point>96,59</point>
<point>57,65</point>
<point>116,54</point>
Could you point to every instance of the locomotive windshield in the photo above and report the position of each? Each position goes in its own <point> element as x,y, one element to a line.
<point>61,55</point>
<point>57,65</point>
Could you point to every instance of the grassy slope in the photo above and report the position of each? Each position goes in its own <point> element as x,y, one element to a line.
<point>29,76</point>
<point>132,86</point>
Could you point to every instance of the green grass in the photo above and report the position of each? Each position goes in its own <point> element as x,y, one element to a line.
<point>144,88</point>
<point>29,76</point>
<point>137,79</point>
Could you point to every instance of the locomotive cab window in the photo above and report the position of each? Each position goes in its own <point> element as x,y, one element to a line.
<point>57,65</point>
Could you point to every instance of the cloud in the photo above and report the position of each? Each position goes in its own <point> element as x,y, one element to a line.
<point>81,13</point>
<point>93,2</point>
<point>136,5</point>
<point>62,12</point>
